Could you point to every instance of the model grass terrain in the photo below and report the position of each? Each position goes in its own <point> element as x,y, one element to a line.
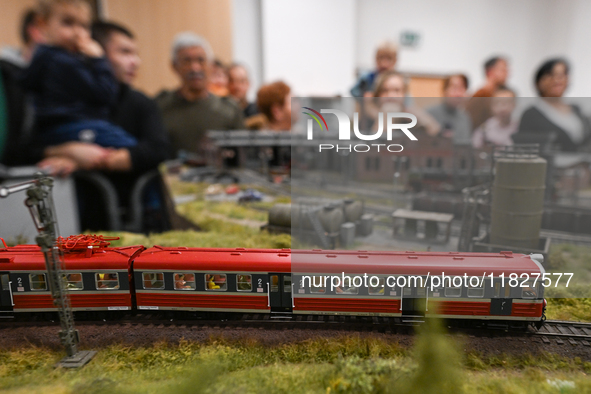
<point>351,364</point>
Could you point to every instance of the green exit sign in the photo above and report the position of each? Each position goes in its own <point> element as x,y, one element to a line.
<point>409,38</point>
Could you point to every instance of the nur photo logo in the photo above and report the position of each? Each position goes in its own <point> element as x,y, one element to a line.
<point>392,120</point>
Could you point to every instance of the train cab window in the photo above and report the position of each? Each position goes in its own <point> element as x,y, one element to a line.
<point>317,285</point>
<point>153,280</point>
<point>216,282</point>
<point>475,292</point>
<point>377,290</point>
<point>528,290</point>
<point>74,281</point>
<point>184,281</point>
<point>287,284</point>
<point>38,282</point>
<point>244,282</point>
<point>453,291</point>
<point>107,280</point>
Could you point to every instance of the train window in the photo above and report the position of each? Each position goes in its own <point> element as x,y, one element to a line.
<point>346,290</point>
<point>475,292</point>
<point>287,284</point>
<point>317,285</point>
<point>453,291</point>
<point>274,283</point>
<point>244,282</point>
<point>377,290</point>
<point>216,282</point>
<point>502,291</point>
<point>5,282</point>
<point>184,281</point>
<point>74,281</point>
<point>38,282</point>
<point>153,280</point>
<point>346,287</point>
<point>406,292</point>
<point>107,280</point>
<point>528,290</point>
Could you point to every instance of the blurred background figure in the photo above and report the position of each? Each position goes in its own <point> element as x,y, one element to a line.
<point>551,120</point>
<point>30,35</point>
<point>71,80</point>
<point>16,110</point>
<point>390,93</point>
<point>238,85</point>
<point>450,114</point>
<point>191,110</point>
<point>496,70</point>
<point>218,80</point>
<point>499,128</point>
<point>386,57</point>
<point>274,102</point>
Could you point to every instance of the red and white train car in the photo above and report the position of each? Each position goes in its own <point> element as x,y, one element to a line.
<point>489,298</point>
<point>97,279</point>
<point>215,280</point>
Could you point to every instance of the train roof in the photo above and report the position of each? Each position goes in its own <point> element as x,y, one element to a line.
<point>214,259</point>
<point>30,258</point>
<point>323,261</point>
<point>410,262</point>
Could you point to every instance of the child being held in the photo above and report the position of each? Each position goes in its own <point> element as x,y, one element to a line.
<point>71,80</point>
<point>499,128</point>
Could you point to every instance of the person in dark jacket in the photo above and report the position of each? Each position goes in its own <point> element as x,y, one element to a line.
<point>133,111</point>
<point>71,80</point>
<point>551,121</point>
<point>136,114</point>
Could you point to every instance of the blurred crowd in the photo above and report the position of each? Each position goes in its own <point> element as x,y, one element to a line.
<point>67,100</point>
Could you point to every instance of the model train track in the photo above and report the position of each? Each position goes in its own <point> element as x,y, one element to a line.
<point>562,331</point>
<point>551,328</point>
<point>264,320</point>
<point>553,332</point>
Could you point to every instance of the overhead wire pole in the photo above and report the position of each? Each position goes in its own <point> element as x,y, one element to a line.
<point>40,203</point>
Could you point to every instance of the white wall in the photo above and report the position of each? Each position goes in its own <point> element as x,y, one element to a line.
<point>316,46</point>
<point>310,44</point>
<point>578,30</point>
<point>247,40</point>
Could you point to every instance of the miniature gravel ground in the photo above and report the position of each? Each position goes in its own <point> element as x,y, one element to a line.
<point>98,336</point>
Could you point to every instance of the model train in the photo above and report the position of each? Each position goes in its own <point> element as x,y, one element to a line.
<point>136,278</point>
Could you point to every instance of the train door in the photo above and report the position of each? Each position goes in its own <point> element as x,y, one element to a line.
<point>501,304</point>
<point>5,293</point>
<point>414,301</point>
<point>280,288</point>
